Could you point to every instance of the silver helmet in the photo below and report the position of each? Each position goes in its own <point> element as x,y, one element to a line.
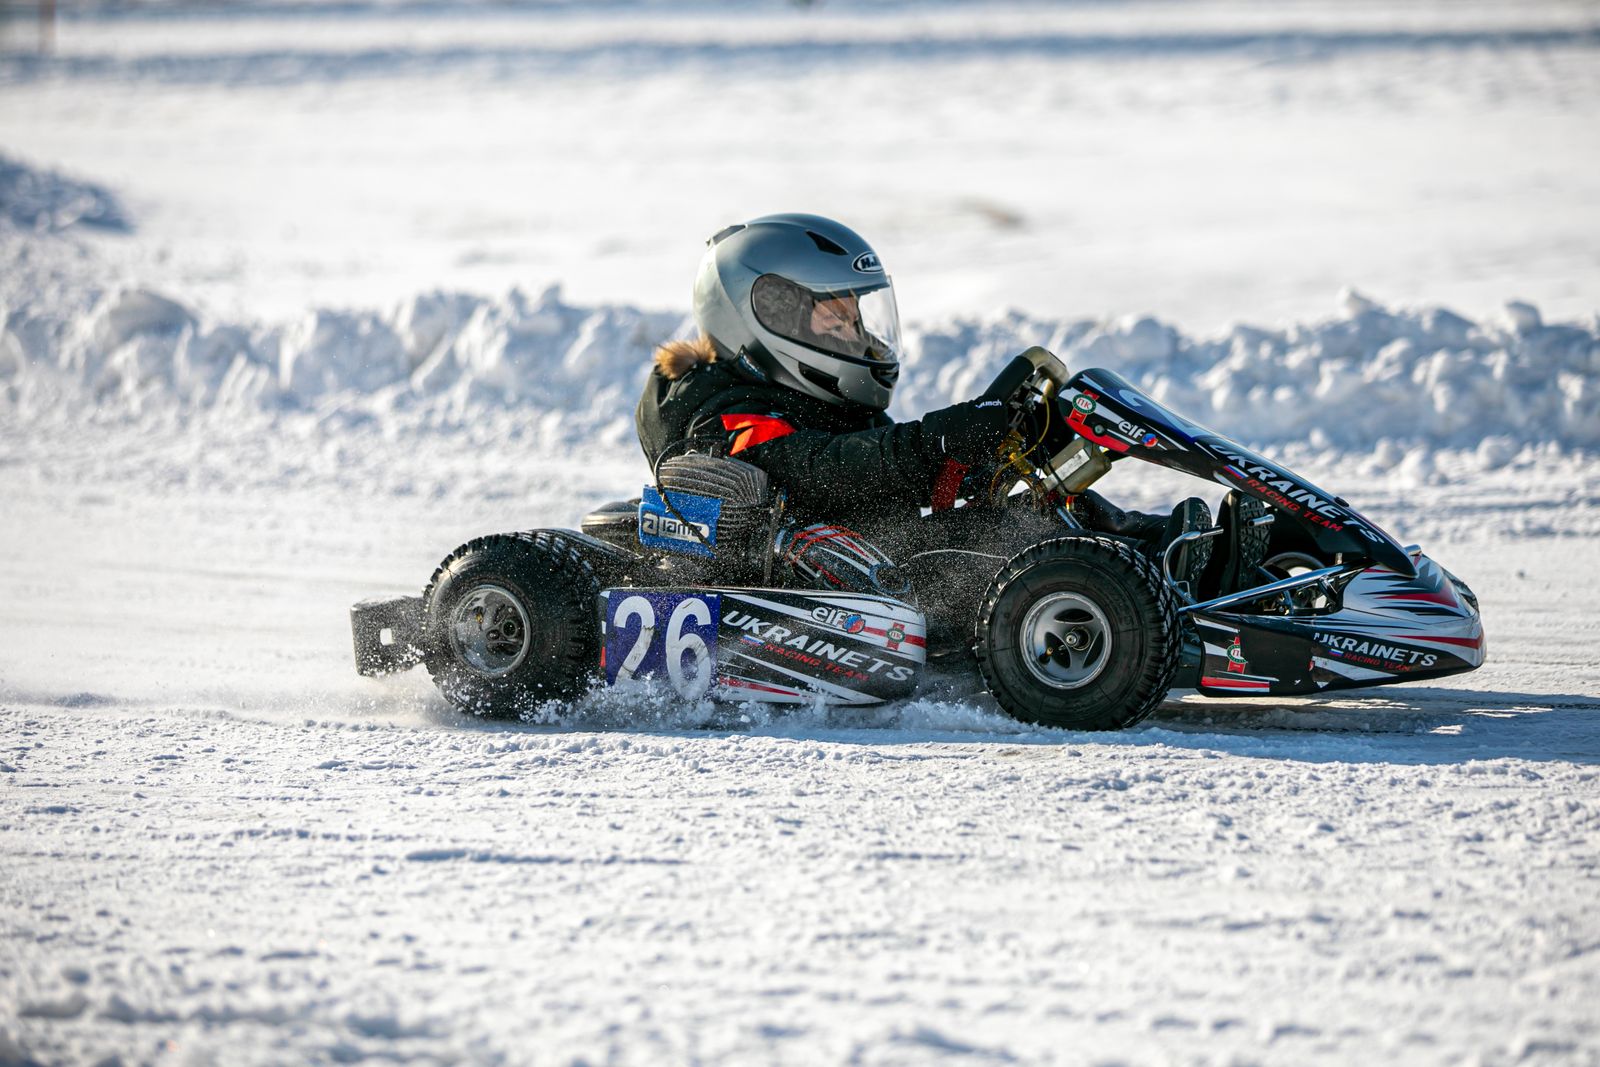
<point>806,303</point>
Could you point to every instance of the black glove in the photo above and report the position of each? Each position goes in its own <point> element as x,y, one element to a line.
<point>969,433</point>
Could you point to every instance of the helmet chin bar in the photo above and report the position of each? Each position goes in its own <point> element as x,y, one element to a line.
<point>865,391</point>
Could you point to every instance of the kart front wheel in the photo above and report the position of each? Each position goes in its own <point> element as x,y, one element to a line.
<point>1080,633</point>
<point>509,623</point>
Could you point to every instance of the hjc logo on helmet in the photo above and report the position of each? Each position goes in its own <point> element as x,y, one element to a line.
<point>867,263</point>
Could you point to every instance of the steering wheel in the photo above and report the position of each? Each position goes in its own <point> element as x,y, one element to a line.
<point>1018,380</point>
<point>1036,365</point>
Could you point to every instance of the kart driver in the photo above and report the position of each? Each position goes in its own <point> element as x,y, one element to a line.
<point>795,365</point>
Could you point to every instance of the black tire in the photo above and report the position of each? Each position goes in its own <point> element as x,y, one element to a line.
<point>509,622</point>
<point>1053,581</point>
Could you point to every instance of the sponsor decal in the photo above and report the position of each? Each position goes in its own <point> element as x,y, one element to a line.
<point>1369,653</point>
<point>1284,492</point>
<point>895,636</point>
<point>1134,432</point>
<point>840,619</point>
<point>1085,404</point>
<point>1237,664</point>
<point>816,653</point>
<point>660,528</point>
<point>867,263</point>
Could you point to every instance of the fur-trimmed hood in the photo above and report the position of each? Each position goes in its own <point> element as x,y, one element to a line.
<point>677,358</point>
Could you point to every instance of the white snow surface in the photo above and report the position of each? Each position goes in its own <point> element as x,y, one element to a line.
<point>388,278</point>
<point>221,846</point>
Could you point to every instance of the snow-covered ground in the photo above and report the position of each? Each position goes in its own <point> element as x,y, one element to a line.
<point>296,298</point>
<point>221,846</point>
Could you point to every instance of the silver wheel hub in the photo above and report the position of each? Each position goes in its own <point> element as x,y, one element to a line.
<point>489,631</point>
<point>1065,640</point>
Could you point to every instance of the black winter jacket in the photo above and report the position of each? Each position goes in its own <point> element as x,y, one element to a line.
<point>841,465</point>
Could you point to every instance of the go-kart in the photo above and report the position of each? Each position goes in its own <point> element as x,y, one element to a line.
<point>702,583</point>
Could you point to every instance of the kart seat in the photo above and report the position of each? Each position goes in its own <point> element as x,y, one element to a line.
<point>1240,550</point>
<point>615,523</point>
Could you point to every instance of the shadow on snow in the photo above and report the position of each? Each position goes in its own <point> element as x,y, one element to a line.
<point>1418,725</point>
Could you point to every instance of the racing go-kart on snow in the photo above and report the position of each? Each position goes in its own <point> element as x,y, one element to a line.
<point>703,583</point>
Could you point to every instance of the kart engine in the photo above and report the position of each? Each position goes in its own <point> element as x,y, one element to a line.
<point>724,512</point>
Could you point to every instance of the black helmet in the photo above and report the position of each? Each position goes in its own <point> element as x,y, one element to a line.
<point>807,303</point>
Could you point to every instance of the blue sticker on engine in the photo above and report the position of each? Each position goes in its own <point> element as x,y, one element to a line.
<point>660,528</point>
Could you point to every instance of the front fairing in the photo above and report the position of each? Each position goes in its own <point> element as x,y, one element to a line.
<point>1386,627</point>
<point>1103,407</point>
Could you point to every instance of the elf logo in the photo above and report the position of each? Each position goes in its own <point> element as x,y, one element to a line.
<point>839,619</point>
<point>867,263</point>
<point>1136,432</point>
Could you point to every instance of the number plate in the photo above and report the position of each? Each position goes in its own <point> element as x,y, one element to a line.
<point>777,646</point>
<point>670,634</point>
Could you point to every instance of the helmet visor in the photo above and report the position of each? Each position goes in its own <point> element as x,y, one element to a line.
<point>854,323</point>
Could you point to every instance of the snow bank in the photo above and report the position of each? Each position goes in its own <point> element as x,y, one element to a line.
<point>1371,373</point>
<point>42,200</point>
<point>1414,377</point>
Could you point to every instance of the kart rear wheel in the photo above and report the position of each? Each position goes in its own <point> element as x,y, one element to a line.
<point>1080,633</point>
<point>509,623</point>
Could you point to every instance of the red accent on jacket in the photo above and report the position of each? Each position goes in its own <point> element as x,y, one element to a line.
<point>756,430</point>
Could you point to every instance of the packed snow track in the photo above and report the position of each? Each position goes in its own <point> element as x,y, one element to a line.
<point>297,297</point>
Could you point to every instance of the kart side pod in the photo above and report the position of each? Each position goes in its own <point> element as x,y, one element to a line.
<point>771,645</point>
<point>738,644</point>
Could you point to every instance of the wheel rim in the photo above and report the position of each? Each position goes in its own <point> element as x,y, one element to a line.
<point>1288,564</point>
<point>489,631</point>
<point>1066,640</point>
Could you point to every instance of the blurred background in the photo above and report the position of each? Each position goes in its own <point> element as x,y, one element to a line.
<point>1206,161</point>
